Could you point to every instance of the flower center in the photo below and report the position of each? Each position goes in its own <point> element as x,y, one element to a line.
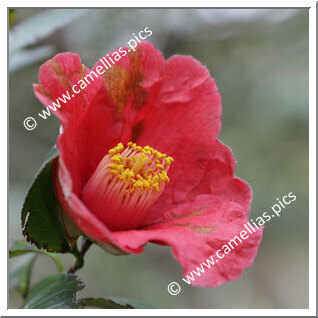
<point>126,183</point>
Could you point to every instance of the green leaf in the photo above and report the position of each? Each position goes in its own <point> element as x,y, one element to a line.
<point>20,273</point>
<point>40,222</point>
<point>40,26</point>
<point>113,303</point>
<point>54,292</point>
<point>11,17</point>
<point>55,259</point>
<point>22,247</point>
<point>53,256</point>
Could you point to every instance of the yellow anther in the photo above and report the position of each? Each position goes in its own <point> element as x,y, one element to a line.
<point>113,166</point>
<point>117,158</point>
<point>168,160</point>
<point>119,148</point>
<point>138,184</point>
<point>146,184</point>
<point>128,174</point>
<point>120,168</point>
<point>159,166</point>
<point>134,170</point>
<point>165,176</point>
<point>140,163</point>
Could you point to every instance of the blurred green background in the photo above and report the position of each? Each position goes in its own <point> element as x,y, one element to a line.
<point>259,59</point>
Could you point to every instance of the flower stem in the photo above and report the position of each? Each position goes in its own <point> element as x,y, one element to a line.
<point>79,263</point>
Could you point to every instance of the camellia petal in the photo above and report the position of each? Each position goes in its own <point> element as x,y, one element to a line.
<point>139,160</point>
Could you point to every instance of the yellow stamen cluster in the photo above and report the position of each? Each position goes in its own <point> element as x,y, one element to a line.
<point>143,168</point>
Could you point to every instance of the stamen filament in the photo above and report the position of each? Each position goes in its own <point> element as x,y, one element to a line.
<point>126,183</point>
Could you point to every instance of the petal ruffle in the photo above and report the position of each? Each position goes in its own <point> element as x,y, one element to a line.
<point>182,119</point>
<point>175,107</point>
<point>197,230</point>
<point>100,116</point>
<point>217,179</point>
<point>89,124</point>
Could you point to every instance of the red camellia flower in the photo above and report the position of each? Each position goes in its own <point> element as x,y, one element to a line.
<point>139,160</point>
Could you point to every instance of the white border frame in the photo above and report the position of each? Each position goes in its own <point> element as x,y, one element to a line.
<point>312,167</point>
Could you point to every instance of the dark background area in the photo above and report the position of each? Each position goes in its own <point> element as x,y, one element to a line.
<point>259,59</point>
